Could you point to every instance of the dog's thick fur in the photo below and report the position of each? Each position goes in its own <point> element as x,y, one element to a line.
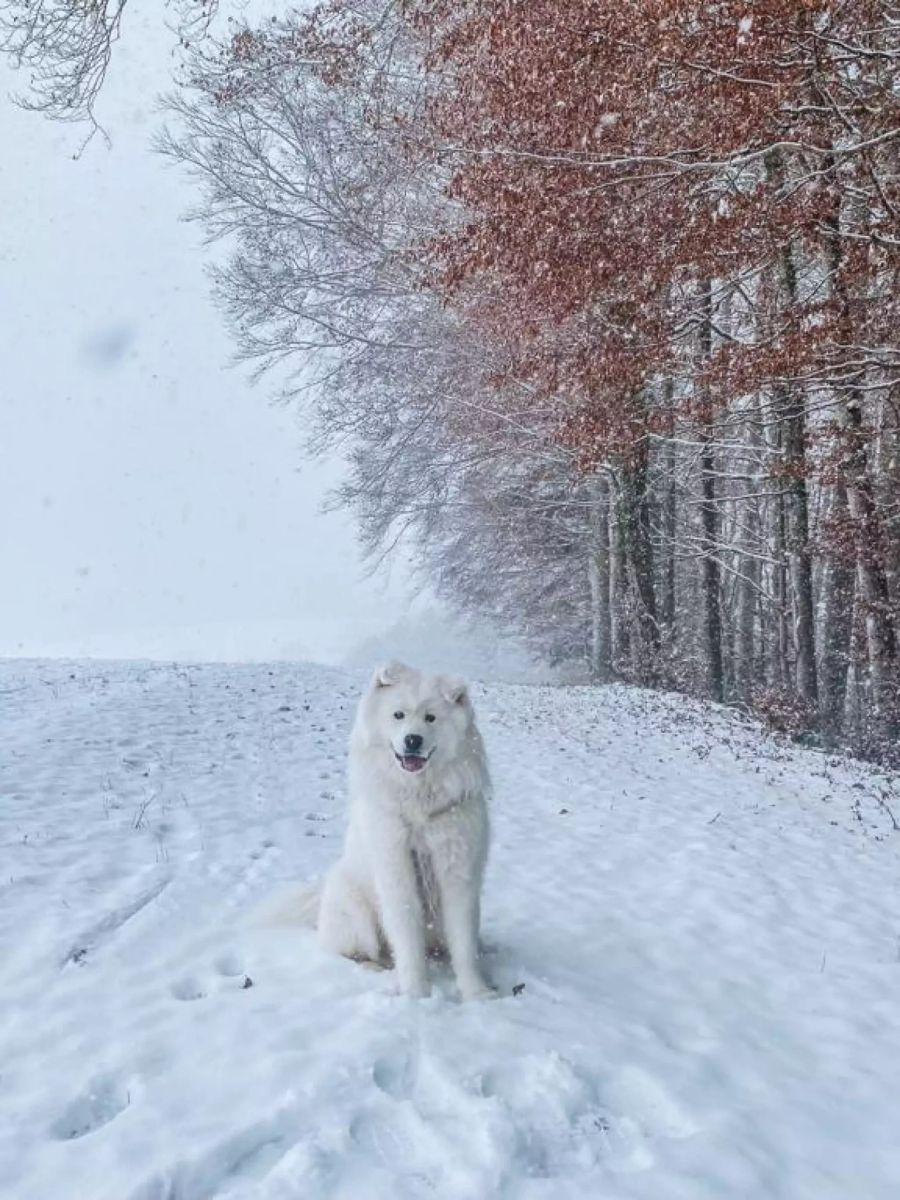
<point>408,883</point>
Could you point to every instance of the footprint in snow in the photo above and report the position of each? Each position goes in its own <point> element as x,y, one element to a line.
<point>652,1105</point>
<point>187,989</point>
<point>553,1114</point>
<point>238,1162</point>
<point>228,968</point>
<point>229,965</point>
<point>105,1097</point>
<point>393,1076</point>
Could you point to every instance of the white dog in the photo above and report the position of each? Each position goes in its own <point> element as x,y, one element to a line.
<point>409,879</point>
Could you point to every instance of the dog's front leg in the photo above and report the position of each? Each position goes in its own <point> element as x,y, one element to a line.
<point>402,916</point>
<point>460,905</point>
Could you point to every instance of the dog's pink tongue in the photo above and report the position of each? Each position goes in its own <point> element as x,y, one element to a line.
<point>411,763</point>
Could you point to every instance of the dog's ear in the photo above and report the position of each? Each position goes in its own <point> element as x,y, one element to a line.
<point>389,673</point>
<point>454,689</point>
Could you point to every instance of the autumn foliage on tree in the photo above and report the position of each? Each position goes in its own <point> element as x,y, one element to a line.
<point>683,219</point>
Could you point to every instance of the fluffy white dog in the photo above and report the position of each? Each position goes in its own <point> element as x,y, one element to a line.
<point>408,883</point>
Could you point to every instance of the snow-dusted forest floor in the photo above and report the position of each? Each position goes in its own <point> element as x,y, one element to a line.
<point>694,928</point>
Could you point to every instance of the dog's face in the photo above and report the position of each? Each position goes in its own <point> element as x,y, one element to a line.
<point>419,718</point>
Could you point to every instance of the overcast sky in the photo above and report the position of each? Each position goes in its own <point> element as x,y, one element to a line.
<point>152,503</point>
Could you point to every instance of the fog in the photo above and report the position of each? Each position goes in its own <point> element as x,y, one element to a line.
<point>152,502</point>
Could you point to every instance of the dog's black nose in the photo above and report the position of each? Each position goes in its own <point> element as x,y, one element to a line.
<point>413,742</point>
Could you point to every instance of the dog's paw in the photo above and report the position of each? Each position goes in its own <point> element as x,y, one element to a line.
<point>478,991</point>
<point>414,989</point>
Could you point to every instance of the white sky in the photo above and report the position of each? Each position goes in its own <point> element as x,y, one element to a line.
<point>152,503</point>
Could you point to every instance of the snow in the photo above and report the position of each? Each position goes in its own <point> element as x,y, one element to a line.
<point>700,924</point>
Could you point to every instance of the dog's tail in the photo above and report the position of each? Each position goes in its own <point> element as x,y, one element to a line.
<point>296,906</point>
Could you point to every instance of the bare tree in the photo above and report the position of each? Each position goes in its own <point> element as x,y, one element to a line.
<point>66,47</point>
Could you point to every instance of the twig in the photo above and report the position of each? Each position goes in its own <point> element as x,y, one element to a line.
<point>882,803</point>
<point>138,820</point>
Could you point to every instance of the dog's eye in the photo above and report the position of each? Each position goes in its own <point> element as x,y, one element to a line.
<point>398,716</point>
<point>429,717</point>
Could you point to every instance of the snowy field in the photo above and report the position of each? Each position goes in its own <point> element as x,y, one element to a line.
<point>694,929</point>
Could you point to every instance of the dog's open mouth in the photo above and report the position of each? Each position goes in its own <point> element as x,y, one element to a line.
<point>412,762</point>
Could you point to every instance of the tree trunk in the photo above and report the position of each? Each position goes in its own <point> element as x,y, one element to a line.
<point>598,578</point>
<point>871,578</point>
<point>797,545</point>
<point>669,528</point>
<point>639,554</point>
<point>747,600</point>
<point>791,414</point>
<point>619,639</point>
<point>709,521</point>
<point>837,626</point>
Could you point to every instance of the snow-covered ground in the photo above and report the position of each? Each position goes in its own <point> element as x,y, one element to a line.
<point>700,926</point>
